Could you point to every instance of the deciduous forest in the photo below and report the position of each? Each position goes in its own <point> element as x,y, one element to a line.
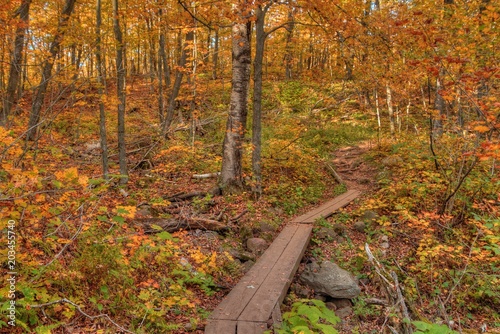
<point>143,143</point>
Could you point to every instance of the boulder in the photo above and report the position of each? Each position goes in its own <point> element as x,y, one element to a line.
<point>267,227</point>
<point>329,279</point>
<point>369,216</point>
<point>360,226</point>
<point>325,233</point>
<point>343,312</point>
<point>257,245</point>
<point>241,254</point>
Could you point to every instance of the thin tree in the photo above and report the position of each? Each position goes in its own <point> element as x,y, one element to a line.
<point>101,82</point>
<point>120,76</point>
<point>48,64</point>
<point>16,62</point>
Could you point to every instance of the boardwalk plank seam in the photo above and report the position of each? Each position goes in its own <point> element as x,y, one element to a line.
<point>259,294</point>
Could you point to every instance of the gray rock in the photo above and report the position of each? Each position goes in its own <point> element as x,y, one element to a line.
<point>241,254</point>
<point>329,279</point>
<point>384,245</point>
<point>300,290</point>
<point>257,245</point>
<point>360,226</point>
<point>384,238</point>
<point>392,161</point>
<point>320,297</point>
<point>340,240</point>
<point>369,216</point>
<point>266,227</point>
<point>341,302</point>
<point>246,266</point>
<point>340,229</point>
<point>343,312</point>
<point>326,233</point>
<point>331,306</point>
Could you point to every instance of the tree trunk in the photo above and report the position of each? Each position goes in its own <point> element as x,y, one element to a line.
<point>16,62</point>
<point>390,109</point>
<point>288,47</point>
<point>257,100</point>
<point>161,63</point>
<point>120,75</point>
<point>437,124</point>
<point>100,79</point>
<point>47,70</point>
<point>177,84</point>
<point>215,55</point>
<point>231,173</point>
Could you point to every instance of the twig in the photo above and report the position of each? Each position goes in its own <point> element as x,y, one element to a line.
<point>463,271</point>
<point>91,317</point>
<point>232,220</point>
<point>71,240</point>
<point>401,302</point>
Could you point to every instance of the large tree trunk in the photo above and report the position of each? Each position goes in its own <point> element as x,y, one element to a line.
<point>47,70</point>
<point>120,74</point>
<point>16,62</point>
<point>257,100</point>
<point>100,79</point>
<point>231,173</point>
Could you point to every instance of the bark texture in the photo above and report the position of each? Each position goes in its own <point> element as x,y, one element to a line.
<point>231,174</point>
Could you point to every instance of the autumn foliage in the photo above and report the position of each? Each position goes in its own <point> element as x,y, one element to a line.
<point>419,79</point>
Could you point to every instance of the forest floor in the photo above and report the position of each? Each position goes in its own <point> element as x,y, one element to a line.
<point>102,245</point>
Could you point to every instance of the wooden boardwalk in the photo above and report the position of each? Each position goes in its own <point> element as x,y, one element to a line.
<point>258,295</point>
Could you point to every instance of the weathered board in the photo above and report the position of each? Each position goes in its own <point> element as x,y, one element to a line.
<point>327,209</point>
<point>234,303</point>
<point>259,294</point>
<point>277,282</point>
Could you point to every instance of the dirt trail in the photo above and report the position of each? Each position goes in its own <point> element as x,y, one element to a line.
<point>356,172</point>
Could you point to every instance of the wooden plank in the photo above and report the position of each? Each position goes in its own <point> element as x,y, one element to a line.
<point>220,326</point>
<point>273,290</point>
<point>234,303</point>
<point>328,208</point>
<point>250,327</point>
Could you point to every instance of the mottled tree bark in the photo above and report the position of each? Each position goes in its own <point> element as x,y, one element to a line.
<point>260,14</point>
<point>100,90</point>
<point>231,173</point>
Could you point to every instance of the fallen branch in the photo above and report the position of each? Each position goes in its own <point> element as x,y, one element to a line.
<point>376,301</point>
<point>183,196</point>
<point>91,317</point>
<point>206,176</point>
<point>333,173</point>
<point>234,219</point>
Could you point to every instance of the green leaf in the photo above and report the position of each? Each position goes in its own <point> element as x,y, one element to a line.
<point>102,218</point>
<point>119,219</point>
<point>302,330</point>
<point>312,313</point>
<point>96,181</point>
<point>165,236</point>
<point>326,329</point>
